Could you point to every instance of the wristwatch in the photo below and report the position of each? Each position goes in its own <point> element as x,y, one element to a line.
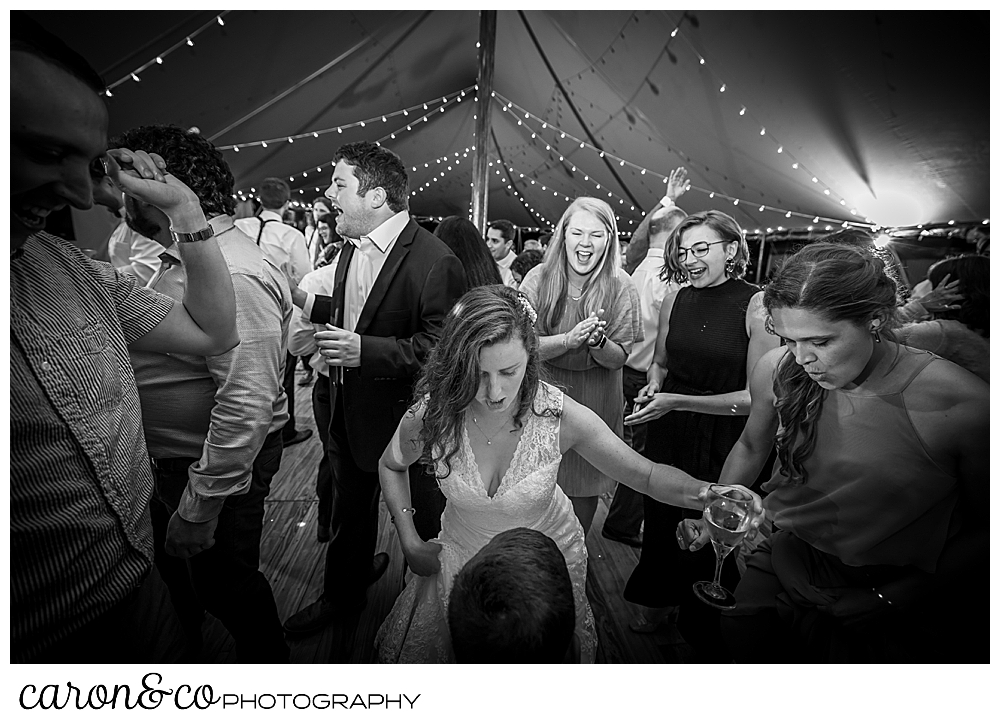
<point>600,343</point>
<point>185,237</point>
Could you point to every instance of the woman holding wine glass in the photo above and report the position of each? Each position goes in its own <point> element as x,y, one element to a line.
<point>880,503</point>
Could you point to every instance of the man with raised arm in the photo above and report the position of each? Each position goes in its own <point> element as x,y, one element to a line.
<point>81,554</point>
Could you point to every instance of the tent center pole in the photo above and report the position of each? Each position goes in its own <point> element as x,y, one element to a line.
<point>480,159</point>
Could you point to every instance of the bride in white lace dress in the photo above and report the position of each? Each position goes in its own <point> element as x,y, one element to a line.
<point>495,435</point>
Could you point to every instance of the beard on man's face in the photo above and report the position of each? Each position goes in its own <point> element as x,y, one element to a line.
<point>140,222</point>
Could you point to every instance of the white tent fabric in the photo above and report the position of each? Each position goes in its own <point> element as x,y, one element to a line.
<point>887,111</point>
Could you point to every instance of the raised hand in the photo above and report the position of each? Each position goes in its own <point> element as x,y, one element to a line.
<point>677,183</point>
<point>942,297</point>
<point>144,177</point>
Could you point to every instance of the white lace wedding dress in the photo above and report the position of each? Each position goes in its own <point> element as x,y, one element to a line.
<point>416,630</point>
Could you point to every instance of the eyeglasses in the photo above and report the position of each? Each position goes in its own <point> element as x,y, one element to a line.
<point>99,168</point>
<point>698,250</point>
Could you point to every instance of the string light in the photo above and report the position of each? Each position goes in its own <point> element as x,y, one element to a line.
<point>158,59</point>
<point>509,106</point>
<point>743,109</point>
<point>340,129</point>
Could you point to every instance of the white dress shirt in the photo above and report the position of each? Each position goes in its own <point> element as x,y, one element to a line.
<point>284,245</point>
<point>652,291</point>
<point>369,257</point>
<point>367,261</point>
<point>301,339</point>
<point>132,253</point>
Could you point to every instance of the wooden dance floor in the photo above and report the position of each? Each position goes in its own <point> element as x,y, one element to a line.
<point>293,560</point>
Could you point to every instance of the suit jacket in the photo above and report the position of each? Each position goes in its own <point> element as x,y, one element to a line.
<point>399,325</point>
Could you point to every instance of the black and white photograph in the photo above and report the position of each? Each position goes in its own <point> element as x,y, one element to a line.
<point>502,336</point>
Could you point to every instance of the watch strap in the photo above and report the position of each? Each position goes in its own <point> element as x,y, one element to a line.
<point>184,237</point>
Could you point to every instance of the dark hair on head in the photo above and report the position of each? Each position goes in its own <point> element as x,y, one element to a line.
<point>377,167</point>
<point>323,200</point>
<point>545,238</point>
<point>602,284</point>
<point>512,602</point>
<point>973,273</point>
<point>30,37</point>
<point>189,157</point>
<point>839,283</point>
<point>722,224</point>
<point>463,238</point>
<point>505,228</point>
<point>526,261</point>
<point>329,219</point>
<point>450,379</point>
<point>274,193</point>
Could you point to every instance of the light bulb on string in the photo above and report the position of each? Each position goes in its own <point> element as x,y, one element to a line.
<point>190,42</point>
<point>159,60</point>
<point>221,21</point>
<point>722,88</point>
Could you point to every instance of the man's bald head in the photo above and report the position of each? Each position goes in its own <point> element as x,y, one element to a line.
<point>662,223</point>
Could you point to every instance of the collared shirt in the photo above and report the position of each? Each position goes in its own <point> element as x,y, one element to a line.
<point>132,253</point>
<point>219,409</point>
<point>80,481</point>
<point>369,257</point>
<point>505,273</point>
<point>652,291</point>
<point>301,339</point>
<point>284,245</point>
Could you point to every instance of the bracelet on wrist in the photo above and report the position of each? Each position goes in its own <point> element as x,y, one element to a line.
<point>411,511</point>
<point>599,344</point>
<point>565,341</point>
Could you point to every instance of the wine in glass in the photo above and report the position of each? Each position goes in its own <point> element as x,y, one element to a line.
<point>727,516</point>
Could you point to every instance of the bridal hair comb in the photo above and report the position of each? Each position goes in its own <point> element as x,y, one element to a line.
<point>526,306</point>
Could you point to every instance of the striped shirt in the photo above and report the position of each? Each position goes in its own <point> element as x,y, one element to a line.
<point>80,480</point>
<point>219,409</point>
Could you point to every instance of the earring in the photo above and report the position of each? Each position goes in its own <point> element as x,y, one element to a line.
<point>730,265</point>
<point>878,339</point>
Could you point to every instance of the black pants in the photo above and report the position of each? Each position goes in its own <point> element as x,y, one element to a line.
<point>288,383</point>
<point>225,579</point>
<point>354,522</point>
<point>327,471</point>
<point>625,513</point>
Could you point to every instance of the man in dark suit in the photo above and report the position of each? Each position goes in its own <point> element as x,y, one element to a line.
<point>394,284</point>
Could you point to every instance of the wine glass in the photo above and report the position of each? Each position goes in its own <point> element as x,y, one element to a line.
<point>727,516</point>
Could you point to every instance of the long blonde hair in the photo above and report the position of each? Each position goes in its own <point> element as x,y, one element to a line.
<point>599,289</point>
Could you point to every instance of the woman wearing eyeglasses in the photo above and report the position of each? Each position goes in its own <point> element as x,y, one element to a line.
<point>710,335</point>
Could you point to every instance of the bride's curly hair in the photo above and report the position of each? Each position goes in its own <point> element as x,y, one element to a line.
<point>838,283</point>
<point>484,316</point>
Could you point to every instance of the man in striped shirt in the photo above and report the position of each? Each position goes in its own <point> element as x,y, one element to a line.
<point>81,550</point>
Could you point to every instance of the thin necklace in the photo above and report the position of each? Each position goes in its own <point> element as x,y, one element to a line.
<point>580,290</point>
<point>489,440</point>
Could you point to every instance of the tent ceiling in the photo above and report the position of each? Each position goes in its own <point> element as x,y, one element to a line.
<point>867,102</point>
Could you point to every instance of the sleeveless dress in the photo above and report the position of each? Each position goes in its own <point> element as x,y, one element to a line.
<point>416,630</point>
<point>875,504</point>
<point>706,354</point>
<point>586,381</point>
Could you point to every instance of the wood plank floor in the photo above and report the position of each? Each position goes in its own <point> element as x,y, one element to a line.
<point>293,561</point>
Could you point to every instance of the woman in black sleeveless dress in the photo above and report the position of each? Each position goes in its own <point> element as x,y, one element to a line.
<point>711,334</point>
